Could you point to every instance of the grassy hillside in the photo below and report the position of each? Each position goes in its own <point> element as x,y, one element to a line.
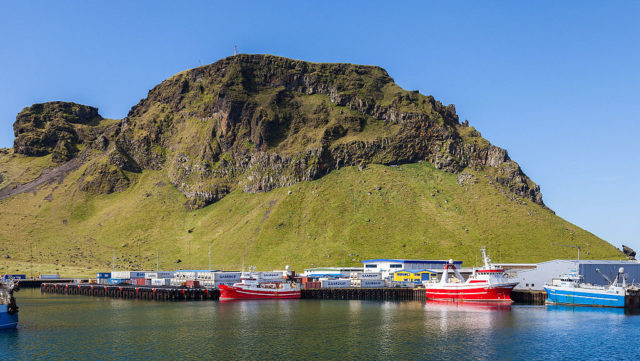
<point>408,211</point>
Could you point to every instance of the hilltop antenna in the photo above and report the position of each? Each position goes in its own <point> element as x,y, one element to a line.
<point>570,246</point>
<point>235,50</point>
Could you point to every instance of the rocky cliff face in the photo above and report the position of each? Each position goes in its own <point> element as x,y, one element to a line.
<point>258,122</point>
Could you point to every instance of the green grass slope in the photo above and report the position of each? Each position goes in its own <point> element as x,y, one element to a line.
<point>408,211</point>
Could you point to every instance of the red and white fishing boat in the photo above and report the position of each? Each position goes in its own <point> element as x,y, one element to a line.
<point>252,287</point>
<point>487,284</point>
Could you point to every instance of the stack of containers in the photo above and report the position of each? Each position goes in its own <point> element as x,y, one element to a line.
<point>366,279</point>
<point>226,278</point>
<point>103,278</point>
<point>129,277</point>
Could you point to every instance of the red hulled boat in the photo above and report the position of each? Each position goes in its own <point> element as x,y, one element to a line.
<point>487,284</point>
<point>251,287</point>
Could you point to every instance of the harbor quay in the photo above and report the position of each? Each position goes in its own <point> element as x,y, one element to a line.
<point>204,294</point>
<point>377,279</point>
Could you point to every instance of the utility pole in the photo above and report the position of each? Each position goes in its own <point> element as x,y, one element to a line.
<point>571,246</point>
<point>190,264</point>
<point>31,257</point>
<point>114,260</point>
<point>209,256</point>
<point>157,260</point>
<point>235,50</point>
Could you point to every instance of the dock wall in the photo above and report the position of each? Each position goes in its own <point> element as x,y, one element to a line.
<point>201,294</point>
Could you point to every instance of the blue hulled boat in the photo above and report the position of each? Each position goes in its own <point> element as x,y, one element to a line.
<point>8,307</point>
<point>570,289</point>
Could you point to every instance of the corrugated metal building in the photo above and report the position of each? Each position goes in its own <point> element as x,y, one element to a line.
<point>389,266</point>
<point>543,273</point>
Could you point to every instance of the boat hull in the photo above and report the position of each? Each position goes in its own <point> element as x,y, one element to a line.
<point>471,293</point>
<point>582,297</point>
<point>7,320</point>
<point>238,293</point>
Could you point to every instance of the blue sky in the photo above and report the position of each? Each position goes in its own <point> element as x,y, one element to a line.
<point>556,83</point>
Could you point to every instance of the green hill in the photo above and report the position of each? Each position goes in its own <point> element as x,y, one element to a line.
<point>272,161</point>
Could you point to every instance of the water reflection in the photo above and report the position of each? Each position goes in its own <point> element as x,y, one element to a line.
<point>74,327</point>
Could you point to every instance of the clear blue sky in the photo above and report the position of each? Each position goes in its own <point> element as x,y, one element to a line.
<point>554,82</point>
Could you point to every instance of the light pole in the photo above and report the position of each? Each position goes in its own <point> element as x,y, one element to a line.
<point>209,256</point>
<point>157,260</point>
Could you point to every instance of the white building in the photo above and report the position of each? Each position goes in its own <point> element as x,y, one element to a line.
<point>388,266</point>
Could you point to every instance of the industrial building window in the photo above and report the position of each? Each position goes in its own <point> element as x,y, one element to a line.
<point>395,265</point>
<point>532,285</point>
<point>527,285</point>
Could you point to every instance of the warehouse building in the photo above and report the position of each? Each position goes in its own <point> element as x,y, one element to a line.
<point>390,266</point>
<point>415,276</point>
<point>536,278</point>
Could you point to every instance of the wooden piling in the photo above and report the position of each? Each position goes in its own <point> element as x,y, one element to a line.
<point>132,292</point>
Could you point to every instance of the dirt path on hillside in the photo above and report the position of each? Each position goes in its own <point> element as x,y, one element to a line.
<point>48,175</point>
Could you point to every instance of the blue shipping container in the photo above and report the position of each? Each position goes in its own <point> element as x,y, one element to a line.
<point>104,275</point>
<point>14,277</point>
<point>49,277</point>
<point>116,281</point>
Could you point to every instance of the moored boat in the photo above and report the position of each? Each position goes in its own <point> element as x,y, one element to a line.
<point>486,284</point>
<point>252,287</point>
<point>8,307</point>
<point>570,289</point>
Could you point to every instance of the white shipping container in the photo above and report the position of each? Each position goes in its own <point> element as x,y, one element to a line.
<point>176,281</point>
<point>217,284</point>
<point>160,282</point>
<point>335,283</point>
<point>367,275</point>
<point>125,275</point>
<point>227,276</point>
<point>372,283</point>
<point>270,275</point>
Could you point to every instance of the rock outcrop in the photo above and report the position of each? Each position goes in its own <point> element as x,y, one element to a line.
<point>630,253</point>
<point>54,127</point>
<point>258,122</point>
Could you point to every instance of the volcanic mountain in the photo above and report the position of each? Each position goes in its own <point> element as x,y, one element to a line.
<point>268,161</point>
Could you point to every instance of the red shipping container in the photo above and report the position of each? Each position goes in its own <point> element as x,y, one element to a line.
<point>192,284</point>
<point>141,281</point>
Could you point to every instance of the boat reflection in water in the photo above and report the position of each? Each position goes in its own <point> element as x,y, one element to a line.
<point>436,305</point>
<point>594,310</point>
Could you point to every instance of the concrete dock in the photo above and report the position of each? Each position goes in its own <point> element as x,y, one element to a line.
<point>159,293</point>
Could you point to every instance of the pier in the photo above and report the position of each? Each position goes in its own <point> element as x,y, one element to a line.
<point>132,292</point>
<point>161,293</point>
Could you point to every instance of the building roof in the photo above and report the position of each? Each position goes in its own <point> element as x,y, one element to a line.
<point>439,261</point>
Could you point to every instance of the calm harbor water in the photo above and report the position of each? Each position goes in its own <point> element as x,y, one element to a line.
<point>78,327</point>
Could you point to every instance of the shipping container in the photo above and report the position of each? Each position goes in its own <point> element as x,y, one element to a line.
<point>227,276</point>
<point>103,275</point>
<point>312,285</point>
<point>366,275</point>
<point>141,281</point>
<point>270,275</point>
<point>116,281</point>
<point>49,277</point>
<point>192,284</point>
<point>160,282</point>
<point>127,274</point>
<point>217,284</point>
<point>177,282</point>
<point>372,283</point>
<point>335,283</point>
<point>14,277</point>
